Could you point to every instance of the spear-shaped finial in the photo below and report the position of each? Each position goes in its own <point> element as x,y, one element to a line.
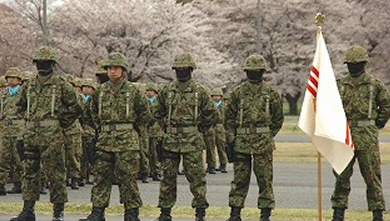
<point>319,19</point>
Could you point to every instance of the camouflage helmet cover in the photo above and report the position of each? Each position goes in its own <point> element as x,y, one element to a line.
<point>151,87</point>
<point>116,59</point>
<point>216,92</point>
<point>88,82</point>
<point>3,81</point>
<point>100,68</point>
<point>27,75</point>
<point>356,54</point>
<point>183,60</point>
<point>13,72</point>
<point>255,62</point>
<point>46,53</point>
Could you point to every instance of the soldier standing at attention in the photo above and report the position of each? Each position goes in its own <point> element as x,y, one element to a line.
<point>49,105</point>
<point>366,104</point>
<point>12,124</point>
<point>252,118</point>
<point>115,106</point>
<point>184,110</point>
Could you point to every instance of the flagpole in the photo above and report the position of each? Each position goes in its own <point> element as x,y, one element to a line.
<point>319,20</point>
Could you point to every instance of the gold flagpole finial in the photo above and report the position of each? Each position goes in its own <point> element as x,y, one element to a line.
<point>319,19</point>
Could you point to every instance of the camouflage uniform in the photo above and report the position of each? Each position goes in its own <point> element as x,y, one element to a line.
<point>366,103</point>
<point>252,118</point>
<point>184,110</point>
<point>114,110</point>
<point>11,124</point>
<point>49,105</point>
<point>209,141</point>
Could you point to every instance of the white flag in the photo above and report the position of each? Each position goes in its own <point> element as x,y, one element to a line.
<point>322,115</point>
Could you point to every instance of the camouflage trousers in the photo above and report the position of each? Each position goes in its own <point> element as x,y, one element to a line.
<point>194,172</point>
<point>220,141</point>
<point>9,160</point>
<point>73,155</point>
<point>370,167</point>
<point>154,163</point>
<point>49,152</point>
<point>209,140</point>
<point>126,166</point>
<point>144,154</point>
<point>263,169</point>
<point>85,167</point>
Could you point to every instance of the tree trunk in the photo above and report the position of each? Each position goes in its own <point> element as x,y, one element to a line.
<point>293,103</point>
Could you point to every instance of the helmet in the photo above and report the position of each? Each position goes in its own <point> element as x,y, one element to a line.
<point>255,62</point>
<point>151,87</point>
<point>13,72</point>
<point>27,75</point>
<point>100,69</point>
<point>46,53</point>
<point>356,54</point>
<point>116,59</point>
<point>88,82</point>
<point>77,81</point>
<point>227,96</point>
<point>183,60</point>
<point>217,92</point>
<point>3,81</point>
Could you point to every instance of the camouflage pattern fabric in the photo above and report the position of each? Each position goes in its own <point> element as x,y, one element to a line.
<point>73,150</point>
<point>220,135</point>
<point>53,105</point>
<point>155,134</point>
<point>144,149</point>
<point>355,94</point>
<point>209,140</point>
<point>184,110</point>
<point>252,118</point>
<point>118,150</point>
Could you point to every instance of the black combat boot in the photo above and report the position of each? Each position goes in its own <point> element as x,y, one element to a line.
<point>97,214</point>
<point>338,214</point>
<point>223,168</point>
<point>377,215</point>
<point>27,213</point>
<point>58,212</point>
<point>235,214</point>
<point>265,214</point>
<point>132,214</point>
<point>3,192</point>
<point>74,184</point>
<point>165,215</point>
<point>200,214</point>
<point>43,189</point>
<point>16,189</point>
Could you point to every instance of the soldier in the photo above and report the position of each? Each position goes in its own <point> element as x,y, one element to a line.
<point>366,103</point>
<point>252,118</point>
<point>115,107</point>
<point>3,83</point>
<point>155,134</point>
<point>49,105</point>
<point>184,110</point>
<point>101,73</point>
<point>12,124</point>
<point>220,136</point>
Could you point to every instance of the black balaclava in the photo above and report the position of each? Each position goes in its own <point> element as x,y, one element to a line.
<point>356,69</point>
<point>102,78</point>
<point>183,74</point>
<point>44,67</point>
<point>255,76</point>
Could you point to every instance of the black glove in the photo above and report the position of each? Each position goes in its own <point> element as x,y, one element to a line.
<point>20,149</point>
<point>91,150</point>
<point>230,151</point>
<point>380,123</point>
<point>159,150</point>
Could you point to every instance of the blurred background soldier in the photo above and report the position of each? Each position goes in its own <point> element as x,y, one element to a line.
<point>115,107</point>
<point>3,83</point>
<point>49,105</point>
<point>209,141</point>
<point>101,73</point>
<point>12,126</point>
<point>220,136</point>
<point>252,118</point>
<point>366,103</point>
<point>184,110</point>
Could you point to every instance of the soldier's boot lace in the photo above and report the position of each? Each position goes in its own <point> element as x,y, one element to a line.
<point>3,192</point>
<point>377,215</point>
<point>97,214</point>
<point>165,215</point>
<point>265,214</point>
<point>58,212</point>
<point>16,189</point>
<point>235,214</point>
<point>200,214</point>
<point>338,214</point>
<point>27,213</point>
<point>132,214</point>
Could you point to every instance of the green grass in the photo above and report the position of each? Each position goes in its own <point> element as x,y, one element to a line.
<point>186,211</point>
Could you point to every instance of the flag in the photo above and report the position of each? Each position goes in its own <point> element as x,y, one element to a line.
<point>322,116</point>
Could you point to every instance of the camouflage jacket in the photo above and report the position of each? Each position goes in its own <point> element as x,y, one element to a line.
<point>87,126</point>
<point>11,122</point>
<point>154,128</point>
<point>75,128</point>
<point>184,115</point>
<point>365,99</point>
<point>219,127</point>
<point>114,114</point>
<point>53,100</point>
<point>253,117</point>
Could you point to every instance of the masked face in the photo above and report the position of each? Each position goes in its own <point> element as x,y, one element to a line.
<point>356,69</point>
<point>255,76</point>
<point>44,67</point>
<point>183,74</point>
